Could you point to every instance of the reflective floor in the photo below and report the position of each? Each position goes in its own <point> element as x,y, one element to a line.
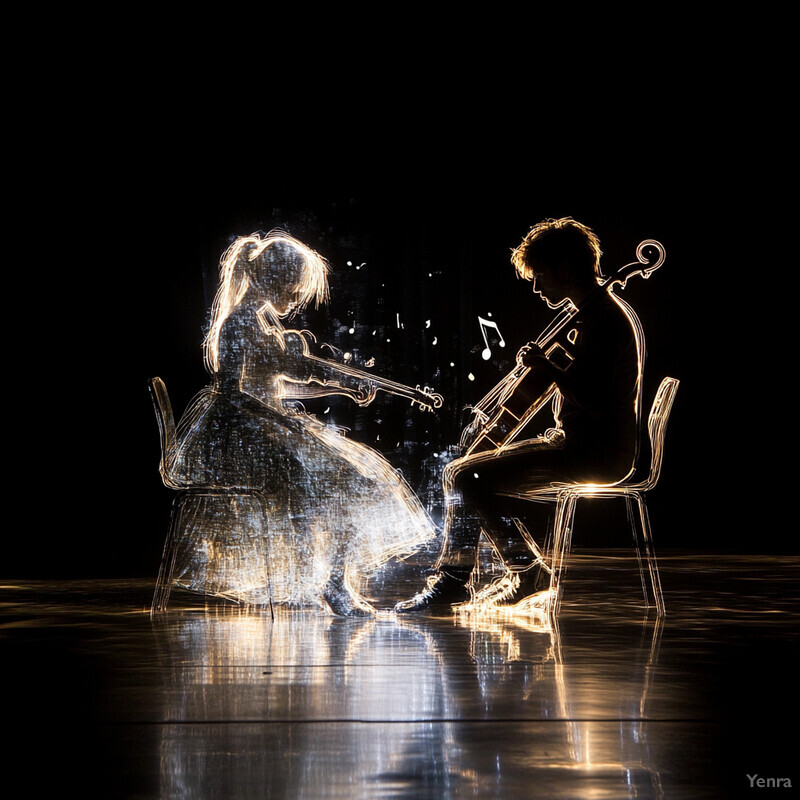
<point>219,703</point>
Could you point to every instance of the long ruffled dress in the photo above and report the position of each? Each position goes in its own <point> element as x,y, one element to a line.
<point>331,503</point>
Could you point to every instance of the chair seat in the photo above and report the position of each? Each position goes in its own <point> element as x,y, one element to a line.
<point>587,490</point>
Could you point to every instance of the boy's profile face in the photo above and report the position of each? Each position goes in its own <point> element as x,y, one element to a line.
<point>547,284</point>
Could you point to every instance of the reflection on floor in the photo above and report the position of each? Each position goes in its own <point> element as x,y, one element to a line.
<point>221,703</point>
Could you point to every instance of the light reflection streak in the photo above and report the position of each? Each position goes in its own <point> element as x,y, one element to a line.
<point>278,685</point>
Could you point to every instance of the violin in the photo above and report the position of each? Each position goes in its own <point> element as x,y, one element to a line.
<point>424,397</point>
<point>503,413</point>
<point>364,386</point>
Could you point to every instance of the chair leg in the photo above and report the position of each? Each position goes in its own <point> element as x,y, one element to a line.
<point>181,513</point>
<point>638,546</point>
<point>266,554</point>
<point>562,540</point>
<point>642,537</point>
<point>167,567</point>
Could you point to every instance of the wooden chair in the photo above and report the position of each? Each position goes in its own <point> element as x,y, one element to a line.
<point>247,507</point>
<point>633,490</point>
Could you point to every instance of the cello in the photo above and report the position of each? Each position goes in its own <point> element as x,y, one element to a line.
<point>505,411</point>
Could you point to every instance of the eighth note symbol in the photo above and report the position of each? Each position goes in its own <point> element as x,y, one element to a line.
<point>484,324</point>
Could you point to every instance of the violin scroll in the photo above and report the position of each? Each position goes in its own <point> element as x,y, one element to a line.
<point>427,399</point>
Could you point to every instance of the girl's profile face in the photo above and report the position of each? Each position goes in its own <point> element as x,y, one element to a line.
<point>277,273</point>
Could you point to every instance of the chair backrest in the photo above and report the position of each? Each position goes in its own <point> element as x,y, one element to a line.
<point>166,425</point>
<point>657,428</point>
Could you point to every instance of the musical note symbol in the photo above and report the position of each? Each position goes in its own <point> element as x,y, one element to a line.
<point>484,324</point>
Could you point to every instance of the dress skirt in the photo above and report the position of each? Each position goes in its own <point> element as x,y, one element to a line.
<point>281,501</point>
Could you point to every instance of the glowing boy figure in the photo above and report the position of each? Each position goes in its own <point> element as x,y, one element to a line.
<point>336,508</point>
<point>594,376</point>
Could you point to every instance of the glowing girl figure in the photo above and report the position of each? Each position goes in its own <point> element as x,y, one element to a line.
<point>336,508</point>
